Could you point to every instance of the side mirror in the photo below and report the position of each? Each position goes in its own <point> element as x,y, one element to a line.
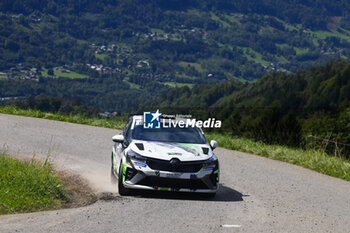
<point>213,144</point>
<point>118,138</point>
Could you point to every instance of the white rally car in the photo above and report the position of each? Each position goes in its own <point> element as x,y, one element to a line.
<point>167,159</point>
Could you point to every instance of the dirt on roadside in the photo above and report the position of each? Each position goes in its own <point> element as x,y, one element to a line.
<point>78,190</point>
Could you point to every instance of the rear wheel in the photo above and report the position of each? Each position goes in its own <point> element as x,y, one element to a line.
<point>122,190</point>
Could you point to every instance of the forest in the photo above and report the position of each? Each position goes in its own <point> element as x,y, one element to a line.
<point>307,109</point>
<point>105,94</point>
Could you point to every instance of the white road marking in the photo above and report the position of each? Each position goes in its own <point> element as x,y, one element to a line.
<point>227,225</point>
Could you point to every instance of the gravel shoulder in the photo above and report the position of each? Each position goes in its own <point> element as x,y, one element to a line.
<point>256,194</point>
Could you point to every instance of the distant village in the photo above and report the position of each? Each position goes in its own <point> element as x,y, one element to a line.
<point>21,72</point>
<point>121,53</point>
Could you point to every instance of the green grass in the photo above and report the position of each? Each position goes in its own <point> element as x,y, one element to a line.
<point>176,84</point>
<point>219,20</point>
<point>315,160</point>
<point>157,30</point>
<point>100,122</point>
<point>132,85</point>
<point>28,186</point>
<point>300,51</point>
<point>101,56</point>
<point>232,18</point>
<point>320,35</point>
<point>64,75</point>
<point>335,33</point>
<point>195,65</point>
<point>312,159</point>
<point>257,57</point>
<point>69,75</point>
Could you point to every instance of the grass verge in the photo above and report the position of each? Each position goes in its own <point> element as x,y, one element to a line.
<point>29,186</point>
<point>315,160</point>
<point>101,122</point>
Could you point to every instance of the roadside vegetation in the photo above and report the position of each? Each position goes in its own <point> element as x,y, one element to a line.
<point>29,186</point>
<point>314,159</point>
<point>79,119</point>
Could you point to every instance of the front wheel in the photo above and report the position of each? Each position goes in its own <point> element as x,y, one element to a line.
<point>210,195</point>
<point>121,189</point>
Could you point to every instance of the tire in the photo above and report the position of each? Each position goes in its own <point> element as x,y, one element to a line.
<point>114,179</point>
<point>210,195</point>
<point>121,189</point>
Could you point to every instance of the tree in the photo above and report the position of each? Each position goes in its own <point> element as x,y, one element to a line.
<point>50,72</point>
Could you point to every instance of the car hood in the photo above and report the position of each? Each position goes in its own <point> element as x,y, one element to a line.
<point>167,151</point>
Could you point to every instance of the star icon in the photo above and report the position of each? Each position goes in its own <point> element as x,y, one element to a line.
<point>156,115</point>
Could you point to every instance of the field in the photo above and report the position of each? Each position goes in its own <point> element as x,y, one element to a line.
<point>177,84</point>
<point>71,74</point>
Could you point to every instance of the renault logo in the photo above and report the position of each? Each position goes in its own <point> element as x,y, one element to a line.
<point>174,163</point>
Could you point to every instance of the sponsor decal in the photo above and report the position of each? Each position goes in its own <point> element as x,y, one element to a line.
<point>139,164</point>
<point>174,153</point>
<point>124,172</point>
<point>151,120</point>
<point>186,123</point>
<point>209,168</point>
<point>189,148</point>
<point>166,145</point>
<point>173,175</point>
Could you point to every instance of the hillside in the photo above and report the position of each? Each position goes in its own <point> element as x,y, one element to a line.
<point>170,42</point>
<point>278,108</point>
<point>319,88</point>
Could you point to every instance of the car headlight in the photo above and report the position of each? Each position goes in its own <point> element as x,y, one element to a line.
<point>133,156</point>
<point>211,162</point>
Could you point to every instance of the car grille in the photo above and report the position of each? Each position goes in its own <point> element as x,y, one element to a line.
<point>163,165</point>
<point>155,181</point>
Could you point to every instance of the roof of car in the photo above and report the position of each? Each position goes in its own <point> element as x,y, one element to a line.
<point>137,117</point>
<point>140,117</point>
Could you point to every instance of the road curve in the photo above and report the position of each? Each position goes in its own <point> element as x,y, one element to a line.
<point>256,194</point>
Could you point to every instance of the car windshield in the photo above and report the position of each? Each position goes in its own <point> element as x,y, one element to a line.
<point>173,134</point>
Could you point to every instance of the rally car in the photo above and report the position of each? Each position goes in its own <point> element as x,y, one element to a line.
<point>166,159</point>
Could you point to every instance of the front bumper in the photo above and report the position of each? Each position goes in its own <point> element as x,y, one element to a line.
<point>138,175</point>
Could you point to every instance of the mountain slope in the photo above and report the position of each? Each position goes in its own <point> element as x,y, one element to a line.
<point>324,87</point>
<point>278,108</point>
<point>174,41</point>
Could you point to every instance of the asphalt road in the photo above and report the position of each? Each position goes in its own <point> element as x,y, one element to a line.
<point>256,194</point>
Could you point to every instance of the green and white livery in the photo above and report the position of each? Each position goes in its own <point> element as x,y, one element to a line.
<point>165,159</point>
